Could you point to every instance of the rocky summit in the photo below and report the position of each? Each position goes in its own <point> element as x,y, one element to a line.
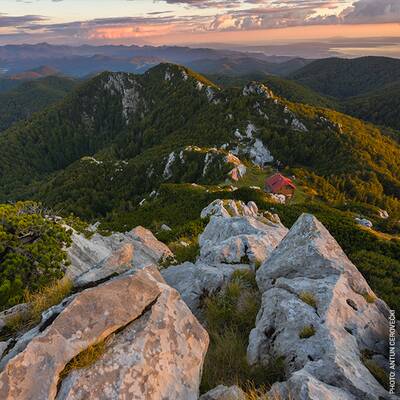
<point>320,314</point>
<point>154,346</point>
<point>134,327</point>
<point>237,237</point>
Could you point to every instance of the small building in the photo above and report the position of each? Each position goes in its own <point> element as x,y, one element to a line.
<point>279,184</point>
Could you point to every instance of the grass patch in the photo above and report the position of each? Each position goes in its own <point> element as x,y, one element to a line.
<point>307,332</point>
<point>38,302</point>
<point>253,393</point>
<point>85,359</point>
<point>185,253</point>
<point>369,297</point>
<point>255,176</point>
<point>230,315</point>
<point>308,298</point>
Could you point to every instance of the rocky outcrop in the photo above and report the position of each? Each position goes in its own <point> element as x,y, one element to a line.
<point>222,392</point>
<point>195,281</point>
<point>100,256</point>
<point>320,314</point>
<point>230,208</point>
<point>237,237</point>
<point>154,346</point>
<point>245,238</point>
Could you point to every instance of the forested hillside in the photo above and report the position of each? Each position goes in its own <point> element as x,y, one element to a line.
<point>379,106</point>
<point>366,87</point>
<point>132,125</point>
<point>344,78</point>
<point>31,96</point>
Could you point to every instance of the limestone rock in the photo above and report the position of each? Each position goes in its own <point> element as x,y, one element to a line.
<point>364,222</point>
<point>305,386</point>
<point>166,228</point>
<point>240,239</point>
<point>222,392</point>
<point>196,281</point>
<point>383,214</point>
<point>3,347</point>
<point>155,349</point>
<point>227,244</point>
<point>343,325</point>
<point>100,257</point>
<point>6,315</point>
<point>158,356</point>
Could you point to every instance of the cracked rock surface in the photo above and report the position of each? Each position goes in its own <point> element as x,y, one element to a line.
<point>237,237</point>
<point>320,314</point>
<point>158,346</point>
<point>100,256</point>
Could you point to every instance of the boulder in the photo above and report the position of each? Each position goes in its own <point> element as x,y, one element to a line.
<point>306,387</point>
<point>383,214</point>
<point>245,238</point>
<point>320,314</point>
<point>364,222</point>
<point>195,281</point>
<point>166,228</point>
<point>227,244</point>
<point>222,392</point>
<point>154,346</point>
<point>101,257</point>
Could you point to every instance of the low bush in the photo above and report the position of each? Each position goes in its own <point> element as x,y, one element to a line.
<point>31,251</point>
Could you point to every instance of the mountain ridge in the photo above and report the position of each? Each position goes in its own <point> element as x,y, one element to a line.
<point>144,117</point>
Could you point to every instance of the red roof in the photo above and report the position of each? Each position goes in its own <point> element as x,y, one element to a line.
<point>277,182</point>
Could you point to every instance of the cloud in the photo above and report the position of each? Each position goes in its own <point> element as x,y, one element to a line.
<point>19,21</point>
<point>222,16</point>
<point>206,4</point>
<point>372,11</point>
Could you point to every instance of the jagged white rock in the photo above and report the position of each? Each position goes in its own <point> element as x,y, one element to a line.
<point>242,238</point>
<point>167,169</point>
<point>364,222</point>
<point>237,237</point>
<point>298,125</point>
<point>257,88</point>
<point>102,256</point>
<point>253,147</point>
<point>125,86</point>
<point>344,324</point>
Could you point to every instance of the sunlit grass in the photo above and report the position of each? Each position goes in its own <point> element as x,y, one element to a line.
<point>85,359</point>
<point>37,303</point>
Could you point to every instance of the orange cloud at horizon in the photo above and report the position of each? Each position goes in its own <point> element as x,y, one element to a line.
<point>292,34</point>
<point>174,34</point>
<point>126,32</point>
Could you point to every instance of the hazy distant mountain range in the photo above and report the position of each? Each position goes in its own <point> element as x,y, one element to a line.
<point>86,60</point>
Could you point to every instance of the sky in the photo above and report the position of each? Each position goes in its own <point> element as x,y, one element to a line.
<point>194,22</point>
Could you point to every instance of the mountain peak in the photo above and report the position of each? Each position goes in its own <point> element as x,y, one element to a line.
<point>171,72</point>
<point>257,88</point>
